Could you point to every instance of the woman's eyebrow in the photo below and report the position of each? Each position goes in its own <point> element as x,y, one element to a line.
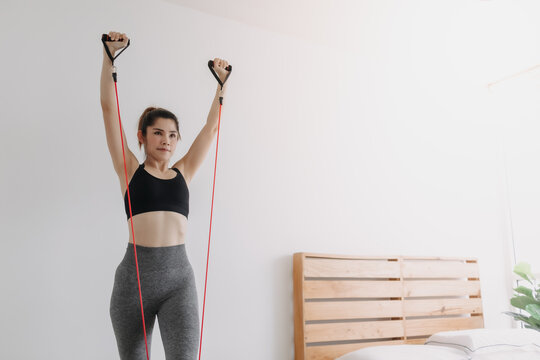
<point>173,131</point>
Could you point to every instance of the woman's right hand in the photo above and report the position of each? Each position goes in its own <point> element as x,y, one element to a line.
<point>114,44</point>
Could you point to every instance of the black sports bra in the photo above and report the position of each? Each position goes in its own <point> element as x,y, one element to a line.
<point>150,193</point>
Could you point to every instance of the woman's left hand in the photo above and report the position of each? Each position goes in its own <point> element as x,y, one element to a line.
<point>219,68</point>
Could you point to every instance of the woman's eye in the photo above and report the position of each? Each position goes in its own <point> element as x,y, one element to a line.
<point>159,133</point>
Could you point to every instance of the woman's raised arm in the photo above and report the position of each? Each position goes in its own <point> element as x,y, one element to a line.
<point>110,111</point>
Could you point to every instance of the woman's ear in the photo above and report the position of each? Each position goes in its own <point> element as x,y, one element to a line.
<point>140,137</point>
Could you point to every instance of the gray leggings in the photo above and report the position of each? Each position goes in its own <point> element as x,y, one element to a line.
<point>168,292</point>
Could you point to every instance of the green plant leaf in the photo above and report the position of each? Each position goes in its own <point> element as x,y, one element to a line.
<point>524,290</point>
<point>517,316</point>
<point>534,310</point>
<point>522,301</point>
<point>535,324</point>
<point>532,327</point>
<point>524,270</point>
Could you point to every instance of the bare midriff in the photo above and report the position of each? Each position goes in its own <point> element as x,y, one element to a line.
<point>158,228</point>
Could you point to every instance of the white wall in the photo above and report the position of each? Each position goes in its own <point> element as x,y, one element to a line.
<point>390,147</point>
<point>516,107</point>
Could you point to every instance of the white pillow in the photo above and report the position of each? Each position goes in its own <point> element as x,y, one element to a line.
<point>405,352</point>
<point>487,340</point>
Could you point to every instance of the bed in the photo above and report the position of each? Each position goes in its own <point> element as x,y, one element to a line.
<point>356,305</point>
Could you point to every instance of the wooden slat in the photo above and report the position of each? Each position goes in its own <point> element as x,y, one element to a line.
<point>330,352</point>
<point>439,269</point>
<point>340,310</point>
<point>299,323</point>
<point>389,257</point>
<point>433,307</point>
<point>353,330</point>
<point>317,289</point>
<point>426,327</point>
<point>441,288</point>
<point>351,268</point>
<point>419,341</point>
<point>343,256</point>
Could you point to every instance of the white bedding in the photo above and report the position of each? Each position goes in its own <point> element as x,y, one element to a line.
<point>477,344</point>
<point>487,340</point>
<point>515,354</point>
<point>406,352</point>
<point>432,352</point>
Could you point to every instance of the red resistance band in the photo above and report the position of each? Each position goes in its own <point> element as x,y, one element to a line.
<point>105,38</point>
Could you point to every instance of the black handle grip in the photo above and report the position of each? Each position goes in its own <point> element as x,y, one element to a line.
<point>221,83</point>
<point>106,38</point>
<point>211,64</point>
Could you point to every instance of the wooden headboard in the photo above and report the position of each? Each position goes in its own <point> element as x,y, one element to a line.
<point>344,303</point>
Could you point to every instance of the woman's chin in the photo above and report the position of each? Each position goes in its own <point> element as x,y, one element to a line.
<point>164,155</point>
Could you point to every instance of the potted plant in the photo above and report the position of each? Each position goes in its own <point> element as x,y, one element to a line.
<point>526,298</point>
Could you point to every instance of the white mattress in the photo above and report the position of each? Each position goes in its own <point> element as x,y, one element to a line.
<point>515,354</point>
<point>406,352</point>
<point>477,344</point>
<point>432,352</point>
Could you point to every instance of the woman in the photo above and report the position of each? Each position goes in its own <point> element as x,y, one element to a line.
<point>159,198</point>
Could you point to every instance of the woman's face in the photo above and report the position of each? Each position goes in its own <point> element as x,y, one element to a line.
<point>161,139</point>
